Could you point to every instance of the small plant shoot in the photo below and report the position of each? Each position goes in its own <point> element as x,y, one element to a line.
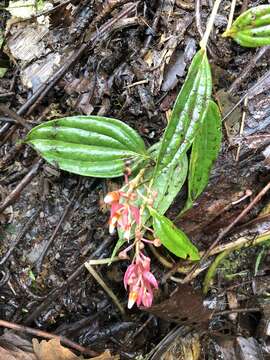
<point>104,147</point>
<point>107,148</point>
<point>252,28</point>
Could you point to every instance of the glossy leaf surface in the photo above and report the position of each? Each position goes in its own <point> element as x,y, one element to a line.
<point>204,152</point>
<point>169,182</point>
<point>167,185</point>
<point>252,28</point>
<point>88,145</point>
<point>187,112</point>
<point>174,239</point>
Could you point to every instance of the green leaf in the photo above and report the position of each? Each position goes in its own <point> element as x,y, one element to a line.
<point>2,72</point>
<point>213,269</point>
<point>252,28</point>
<point>118,245</point>
<point>168,182</point>
<point>174,239</point>
<point>89,145</point>
<point>204,152</point>
<point>187,112</point>
<point>167,185</point>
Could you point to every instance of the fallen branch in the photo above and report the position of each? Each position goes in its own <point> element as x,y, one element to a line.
<point>240,243</point>
<point>224,232</point>
<point>105,287</point>
<point>22,184</point>
<point>46,335</point>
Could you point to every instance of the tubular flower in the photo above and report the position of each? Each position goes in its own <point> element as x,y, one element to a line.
<point>123,215</point>
<point>126,215</point>
<point>140,282</point>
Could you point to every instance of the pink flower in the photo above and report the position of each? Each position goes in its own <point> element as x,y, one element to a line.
<point>112,197</point>
<point>140,282</point>
<point>122,214</point>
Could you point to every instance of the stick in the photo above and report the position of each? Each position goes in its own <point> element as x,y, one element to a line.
<point>227,229</point>
<point>247,94</point>
<point>230,20</point>
<point>104,286</point>
<point>233,245</point>
<point>12,114</point>
<point>232,311</point>
<point>46,335</point>
<point>210,24</point>
<point>29,106</point>
<point>45,88</point>
<point>241,129</point>
<point>56,292</point>
<point>22,184</point>
<point>256,59</point>
<point>198,17</point>
<point>19,237</point>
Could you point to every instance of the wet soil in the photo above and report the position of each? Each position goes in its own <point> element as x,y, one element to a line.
<point>55,221</point>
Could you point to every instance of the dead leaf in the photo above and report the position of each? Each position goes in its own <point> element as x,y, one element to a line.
<point>13,347</point>
<point>226,102</point>
<point>177,65</point>
<point>6,354</point>
<point>53,350</point>
<point>178,344</point>
<point>184,307</point>
<point>184,348</point>
<point>40,71</point>
<point>106,356</point>
<point>224,348</point>
<point>26,42</point>
<point>25,9</point>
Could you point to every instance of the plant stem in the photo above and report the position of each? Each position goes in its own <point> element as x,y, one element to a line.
<point>105,287</point>
<point>239,243</point>
<point>210,24</point>
<point>225,231</point>
<point>230,20</point>
<point>103,261</point>
<point>44,334</point>
<point>213,269</point>
<point>181,269</point>
<point>242,242</point>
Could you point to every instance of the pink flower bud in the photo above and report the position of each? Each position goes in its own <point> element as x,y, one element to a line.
<point>123,254</point>
<point>132,297</point>
<point>111,197</point>
<point>141,246</point>
<point>140,282</point>
<point>157,242</point>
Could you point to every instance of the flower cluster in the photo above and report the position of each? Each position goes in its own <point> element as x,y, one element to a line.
<point>140,281</point>
<point>126,215</point>
<point>123,214</point>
